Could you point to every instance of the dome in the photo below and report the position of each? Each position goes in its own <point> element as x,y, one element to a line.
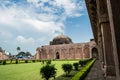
<point>61,39</point>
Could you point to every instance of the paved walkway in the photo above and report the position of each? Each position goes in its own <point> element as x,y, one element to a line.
<point>95,73</point>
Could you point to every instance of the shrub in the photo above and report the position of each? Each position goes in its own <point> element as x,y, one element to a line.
<point>81,63</point>
<point>82,74</point>
<point>4,62</point>
<point>43,61</point>
<point>84,62</point>
<point>67,68</point>
<point>26,61</point>
<point>76,65</point>
<point>48,71</point>
<point>0,61</point>
<point>33,61</point>
<point>16,61</point>
<point>48,62</point>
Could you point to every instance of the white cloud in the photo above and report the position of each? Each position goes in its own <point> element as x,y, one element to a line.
<point>50,26</point>
<point>23,40</point>
<point>33,1</point>
<point>35,20</point>
<point>70,7</point>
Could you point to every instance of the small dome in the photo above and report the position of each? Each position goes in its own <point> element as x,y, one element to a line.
<point>61,39</point>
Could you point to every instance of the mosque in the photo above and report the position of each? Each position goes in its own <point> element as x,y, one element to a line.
<point>62,47</point>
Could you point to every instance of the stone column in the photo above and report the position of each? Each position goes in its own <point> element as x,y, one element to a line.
<point>100,49</point>
<point>108,50</point>
<point>113,12</point>
<point>90,49</point>
<point>106,39</point>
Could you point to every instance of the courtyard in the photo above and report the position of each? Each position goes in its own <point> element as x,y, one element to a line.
<point>28,71</point>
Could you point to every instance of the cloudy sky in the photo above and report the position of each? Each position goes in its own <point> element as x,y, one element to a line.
<point>32,23</point>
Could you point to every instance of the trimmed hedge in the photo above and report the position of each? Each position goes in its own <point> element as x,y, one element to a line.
<point>4,62</point>
<point>76,66</point>
<point>82,74</point>
<point>84,62</point>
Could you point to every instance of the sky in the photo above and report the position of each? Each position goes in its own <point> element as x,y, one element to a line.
<point>32,23</point>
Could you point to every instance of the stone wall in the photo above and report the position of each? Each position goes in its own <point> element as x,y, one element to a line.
<point>66,51</point>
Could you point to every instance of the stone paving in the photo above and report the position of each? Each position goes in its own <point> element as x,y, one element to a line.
<point>95,73</point>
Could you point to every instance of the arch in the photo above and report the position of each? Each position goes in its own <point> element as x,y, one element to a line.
<point>57,55</point>
<point>95,53</point>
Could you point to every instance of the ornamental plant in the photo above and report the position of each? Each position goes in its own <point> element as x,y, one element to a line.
<point>67,68</point>
<point>76,65</point>
<point>48,71</point>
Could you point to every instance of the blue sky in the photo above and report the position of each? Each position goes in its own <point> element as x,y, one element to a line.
<point>32,23</point>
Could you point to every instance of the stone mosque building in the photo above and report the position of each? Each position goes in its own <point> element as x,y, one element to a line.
<point>62,47</point>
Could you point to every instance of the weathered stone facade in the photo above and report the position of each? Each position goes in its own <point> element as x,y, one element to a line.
<point>63,48</point>
<point>105,20</point>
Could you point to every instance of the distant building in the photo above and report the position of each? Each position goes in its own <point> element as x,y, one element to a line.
<point>3,55</point>
<point>62,47</point>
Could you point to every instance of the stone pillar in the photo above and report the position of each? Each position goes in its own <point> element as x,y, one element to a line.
<point>113,12</point>
<point>106,39</point>
<point>108,50</point>
<point>90,52</point>
<point>100,47</point>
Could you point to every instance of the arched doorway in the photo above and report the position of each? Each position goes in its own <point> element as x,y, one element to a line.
<point>95,53</point>
<point>57,55</point>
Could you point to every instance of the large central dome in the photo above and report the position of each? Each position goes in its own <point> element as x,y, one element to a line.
<point>61,39</point>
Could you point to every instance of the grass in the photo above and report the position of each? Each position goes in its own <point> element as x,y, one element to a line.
<point>28,71</point>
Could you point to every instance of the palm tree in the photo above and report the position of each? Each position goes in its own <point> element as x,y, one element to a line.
<point>18,48</point>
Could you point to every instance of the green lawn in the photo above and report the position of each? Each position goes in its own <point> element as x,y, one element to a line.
<point>27,71</point>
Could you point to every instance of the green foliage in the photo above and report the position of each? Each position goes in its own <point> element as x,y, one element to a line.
<point>67,68</point>
<point>33,61</point>
<point>48,62</point>
<point>26,61</point>
<point>28,54</point>
<point>4,62</point>
<point>43,61</point>
<point>81,75</point>
<point>76,65</point>
<point>84,62</point>
<point>16,61</point>
<point>0,61</point>
<point>18,48</point>
<point>48,71</point>
<point>81,62</point>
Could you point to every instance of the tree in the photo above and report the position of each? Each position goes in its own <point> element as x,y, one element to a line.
<point>67,68</point>
<point>21,53</point>
<point>18,48</point>
<point>48,71</point>
<point>28,54</point>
